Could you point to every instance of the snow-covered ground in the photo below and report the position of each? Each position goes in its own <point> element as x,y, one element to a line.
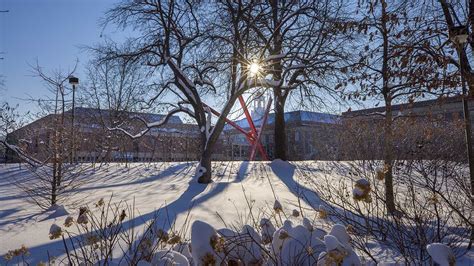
<point>167,190</point>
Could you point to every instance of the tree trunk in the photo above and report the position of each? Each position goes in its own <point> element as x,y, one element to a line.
<point>280,128</point>
<point>53,187</point>
<point>388,132</point>
<point>388,160</point>
<point>204,170</point>
<point>280,99</point>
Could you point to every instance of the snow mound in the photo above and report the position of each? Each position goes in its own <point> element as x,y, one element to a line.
<point>169,257</point>
<point>301,247</point>
<point>441,254</point>
<point>267,230</point>
<point>56,211</point>
<point>206,244</point>
<point>339,231</point>
<point>245,247</point>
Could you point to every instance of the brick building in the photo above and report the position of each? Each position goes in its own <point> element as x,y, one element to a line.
<point>310,136</point>
<point>93,141</point>
<point>422,130</point>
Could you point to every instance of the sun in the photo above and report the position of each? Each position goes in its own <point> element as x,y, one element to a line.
<point>254,69</point>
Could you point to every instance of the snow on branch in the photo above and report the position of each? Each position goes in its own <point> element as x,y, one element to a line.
<point>275,57</point>
<point>150,125</point>
<point>22,154</point>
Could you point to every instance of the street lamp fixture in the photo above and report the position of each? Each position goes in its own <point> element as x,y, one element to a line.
<point>459,36</point>
<point>73,81</point>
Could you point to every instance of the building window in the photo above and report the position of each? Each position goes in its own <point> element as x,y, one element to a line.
<point>297,136</point>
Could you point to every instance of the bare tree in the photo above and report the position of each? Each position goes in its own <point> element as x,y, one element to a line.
<point>392,68</point>
<point>306,50</point>
<point>46,147</point>
<point>176,43</point>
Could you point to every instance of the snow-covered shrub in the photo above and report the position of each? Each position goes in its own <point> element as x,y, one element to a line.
<point>300,247</point>
<point>362,190</point>
<point>98,236</point>
<point>207,246</point>
<point>55,231</point>
<point>441,254</point>
<point>244,246</point>
<point>418,221</point>
<point>267,230</point>
<point>169,257</point>
<point>19,253</point>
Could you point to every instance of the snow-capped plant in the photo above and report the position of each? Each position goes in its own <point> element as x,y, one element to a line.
<point>55,231</point>
<point>419,181</point>
<point>169,257</point>
<point>244,246</point>
<point>301,247</point>
<point>361,191</point>
<point>207,245</point>
<point>277,207</point>
<point>267,229</point>
<point>295,213</point>
<point>441,254</point>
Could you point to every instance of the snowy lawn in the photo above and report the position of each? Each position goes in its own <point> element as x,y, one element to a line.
<point>169,192</point>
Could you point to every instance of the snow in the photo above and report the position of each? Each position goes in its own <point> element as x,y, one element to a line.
<point>169,192</point>
<point>340,232</point>
<point>169,257</point>
<point>275,57</point>
<point>441,254</point>
<point>357,192</point>
<point>56,211</point>
<point>205,244</point>
<point>268,229</point>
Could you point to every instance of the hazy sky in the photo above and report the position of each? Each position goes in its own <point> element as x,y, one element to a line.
<point>50,31</point>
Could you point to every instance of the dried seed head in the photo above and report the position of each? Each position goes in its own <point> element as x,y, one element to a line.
<point>322,213</point>
<point>217,243</point>
<point>162,235</point>
<point>174,239</point>
<point>55,231</point>
<point>69,221</point>
<point>208,259</point>
<point>83,210</point>
<point>336,256</point>
<point>9,255</point>
<point>283,234</point>
<point>122,215</point>
<point>82,219</point>
<point>277,206</point>
<point>295,213</point>
<point>100,202</point>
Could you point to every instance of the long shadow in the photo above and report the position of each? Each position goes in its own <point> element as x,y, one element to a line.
<point>165,215</point>
<point>8,212</point>
<point>170,171</point>
<point>286,173</point>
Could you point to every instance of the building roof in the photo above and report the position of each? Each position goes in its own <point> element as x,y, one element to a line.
<point>294,116</point>
<point>407,106</point>
<point>150,117</point>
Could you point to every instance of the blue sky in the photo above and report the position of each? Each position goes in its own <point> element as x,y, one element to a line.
<point>50,31</point>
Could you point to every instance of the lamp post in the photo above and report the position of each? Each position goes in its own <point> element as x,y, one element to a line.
<point>459,36</point>
<point>73,81</point>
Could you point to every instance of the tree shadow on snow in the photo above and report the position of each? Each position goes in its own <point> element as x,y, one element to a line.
<point>165,215</point>
<point>285,171</point>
